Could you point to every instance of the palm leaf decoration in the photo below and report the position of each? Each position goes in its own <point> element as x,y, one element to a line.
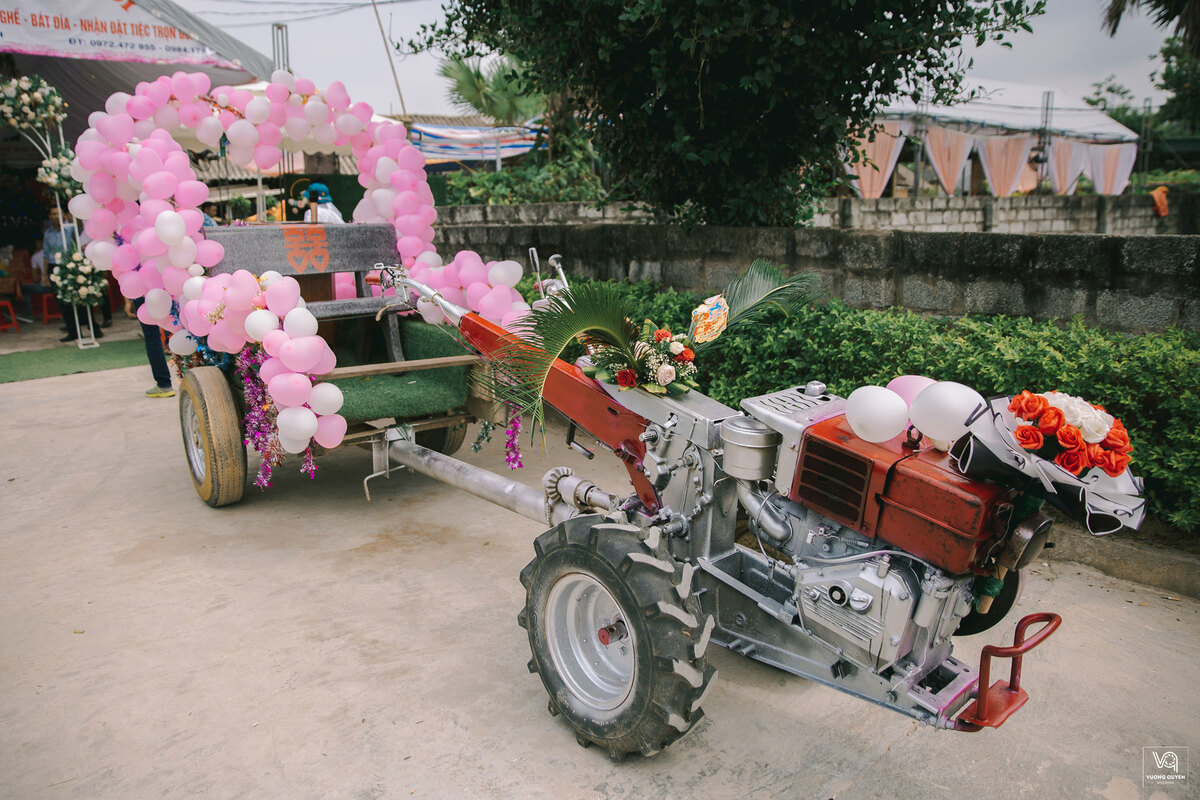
<point>761,287</point>
<point>595,314</point>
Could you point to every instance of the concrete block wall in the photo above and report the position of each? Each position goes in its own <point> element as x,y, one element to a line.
<point>1128,283</point>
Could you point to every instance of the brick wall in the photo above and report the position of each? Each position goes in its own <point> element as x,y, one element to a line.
<point>1130,283</point>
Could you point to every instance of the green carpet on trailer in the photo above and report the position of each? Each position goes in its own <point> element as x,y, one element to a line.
<point>32,364</point>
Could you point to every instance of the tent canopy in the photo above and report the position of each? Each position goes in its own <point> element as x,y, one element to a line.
<point>89,49</point>
<point>1002,107</point>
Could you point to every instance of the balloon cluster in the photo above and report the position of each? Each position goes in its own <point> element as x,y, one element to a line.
<point>487,289</point>
<point>141,204</point>
<point>938,409</point>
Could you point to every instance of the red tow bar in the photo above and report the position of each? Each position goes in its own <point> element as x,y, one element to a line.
<point>999,701</point>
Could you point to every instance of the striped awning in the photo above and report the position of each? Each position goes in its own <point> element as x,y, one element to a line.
<point>472,143</point>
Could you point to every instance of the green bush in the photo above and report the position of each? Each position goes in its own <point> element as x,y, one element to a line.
<point>1151,382</point>
<point>570,177</point>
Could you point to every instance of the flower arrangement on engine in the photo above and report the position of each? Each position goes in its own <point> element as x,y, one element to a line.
<point>659,362</point>
<point>1073,433</point>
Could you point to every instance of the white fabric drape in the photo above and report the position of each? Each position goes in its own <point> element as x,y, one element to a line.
<point>883,153</point>
<point>1067,162</point>
<point>1109,166</point>
<point>948,152</point>
<point>1003,159</point>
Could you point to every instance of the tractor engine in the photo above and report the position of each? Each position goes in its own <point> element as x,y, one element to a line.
<point>885,540</point>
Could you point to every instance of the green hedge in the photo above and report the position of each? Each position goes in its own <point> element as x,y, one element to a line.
<point>1151,382</point>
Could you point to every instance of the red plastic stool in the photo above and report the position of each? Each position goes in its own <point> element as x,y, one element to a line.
<point>12,317</point>
<point>49,307</point>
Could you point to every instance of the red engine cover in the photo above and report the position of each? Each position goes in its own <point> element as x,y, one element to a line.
<point>917,501</point>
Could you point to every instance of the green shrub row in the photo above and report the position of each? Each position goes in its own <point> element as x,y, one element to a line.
<point>1151,382</point>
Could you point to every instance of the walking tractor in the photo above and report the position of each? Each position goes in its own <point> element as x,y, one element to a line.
<point>845,540</point>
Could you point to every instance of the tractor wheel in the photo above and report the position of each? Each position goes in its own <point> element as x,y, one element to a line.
<point>212,436</point>
<point>443,440</point>
<point>617,636</point>
<point>976,622</point>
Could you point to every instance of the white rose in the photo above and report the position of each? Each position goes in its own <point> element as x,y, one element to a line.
<point>86,268</point>
<point>676,348</point>
<point>665,374</point>
<point>1095,426</point>
<point>80,279</point>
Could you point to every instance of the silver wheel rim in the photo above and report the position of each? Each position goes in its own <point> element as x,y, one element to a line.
<point>601,676</point>
<point>191,438</point>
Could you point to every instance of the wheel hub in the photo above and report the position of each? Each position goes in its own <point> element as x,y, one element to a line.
<point>592,648</point>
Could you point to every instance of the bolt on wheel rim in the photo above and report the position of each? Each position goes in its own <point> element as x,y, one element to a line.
<point>191,438</point>
<point>577,607</point>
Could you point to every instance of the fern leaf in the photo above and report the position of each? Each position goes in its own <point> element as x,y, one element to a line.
<point>759,288</point>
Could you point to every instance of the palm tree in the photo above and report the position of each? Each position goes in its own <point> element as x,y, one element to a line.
<point>497,92</point>
<point>1184,13</point>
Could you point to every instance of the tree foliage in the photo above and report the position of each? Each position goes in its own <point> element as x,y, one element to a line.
<point>1180,78</point>
<point>1185,14</point>
<point>496,91</point>
<point>719,110</point>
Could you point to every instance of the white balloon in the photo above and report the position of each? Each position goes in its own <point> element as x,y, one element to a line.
<point>297,423</point>
<point>183,253</point>
<point>100,251</point>
<point>291,445</point>
<point>876,414</point>
<point>260,322</point>
<point>940,411</point>
<point>348,124</point>
<point>365,211</point>
<point>181,343</point>
<point>430,312</point>
<point>326,398</point>
<point>268,277</point>
<point>169,227</point>
<point>242,133</point>
<point>158,303</point>
<point>504,273</point>
<point>209,131</point>
<point>195,270</point>
<point>115,104</point>
<point>79,173</point>
<point>384,168</point>
<point>300,322</point>
<point>382,198</point>
<point>430,258</point>
<point>316,112</point>
<point>284,77</point>
<point>325,134</point>
<point>297,128</point>
<point>258,109</point>
<point>193,286</point>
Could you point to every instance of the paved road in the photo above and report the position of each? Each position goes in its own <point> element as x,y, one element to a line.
<point>308,644</point>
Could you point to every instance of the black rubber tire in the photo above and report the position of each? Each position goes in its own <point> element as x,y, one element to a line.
<point>1010,593</point>
<point>671,674</point>
<point>217,433</point>
<point>443,440</point>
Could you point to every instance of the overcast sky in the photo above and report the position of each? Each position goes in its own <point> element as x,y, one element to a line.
<point>1066,50</point>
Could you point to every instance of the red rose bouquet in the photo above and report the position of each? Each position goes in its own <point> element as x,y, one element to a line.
<point>1073,433</point>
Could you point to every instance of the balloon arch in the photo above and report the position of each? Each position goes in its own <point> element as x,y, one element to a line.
<point>141,204</point>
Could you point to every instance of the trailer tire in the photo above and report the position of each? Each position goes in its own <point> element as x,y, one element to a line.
<point>643,689</point>
<point>443,440</point>
<point>212,436</point>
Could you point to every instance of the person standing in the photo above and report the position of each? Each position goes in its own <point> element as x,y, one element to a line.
<point>327,212</point>
<point>57,244</point>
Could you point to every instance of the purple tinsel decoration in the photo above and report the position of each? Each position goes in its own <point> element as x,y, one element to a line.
<point>259,420</point>
<point>309,467</point>
<point>512,452</point>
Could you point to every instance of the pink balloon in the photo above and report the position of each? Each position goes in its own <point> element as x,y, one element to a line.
<point>473,271</point>
<point>282,296</point>
<point>202,82</point>
<point>143,315</point>
<point>191,193</point>
<point>269,133</point>
<point>160,185</point>
<point>406,203</point>
<point>454,295</point>
<point>173,280</point>
<point>403,180</point>
<point>126,257</point>
<point>149,245</point>
<point>270,368</point>
<point>139,107</point>
<point>267,156</point>
<point>301,355</point>
<point>909,386</point>
<point>343,286</point>
<point>495,304</point>
<point>410,225</point>
<point>210,253</point>
<point>193,221</point>
<point>116,128</point>
<point>274,340</point>
<point>325,363</point>
<point>90,154</point>
<point>117,163</point>
<point>131,284</point>
<point>177,164</point>
<point>182,86</point>
<point>289,389</point>
<point>101,224</point>
<point>331,429</point>
<point>475,293</point>
<point>410,158</point>
<point>337,97</point>
<point>278,93</point>
<point>190,114</point>
<point>409,246</point>
<point>102,187</point>
<point>197,323</point>
<point>428,214</point>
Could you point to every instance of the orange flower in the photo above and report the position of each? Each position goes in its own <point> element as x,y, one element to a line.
<point>1029,437</point>
<point>1118,438</point>
<point>1050,421</point>
<point>1073,461</point>
<point>661,335</point>
<point>1028,405</point>
<point>1070,438</point>
<point>1112,462</point>
<point>686,355</point>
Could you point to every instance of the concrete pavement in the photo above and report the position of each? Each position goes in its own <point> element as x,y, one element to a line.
<point>309,644</point>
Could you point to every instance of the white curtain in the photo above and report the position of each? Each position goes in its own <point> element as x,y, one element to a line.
<point>1003,159</point>
<point>948,152</point>
<point>1067,162</point>
<point>1109,166</point>
<point>883,154</point>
